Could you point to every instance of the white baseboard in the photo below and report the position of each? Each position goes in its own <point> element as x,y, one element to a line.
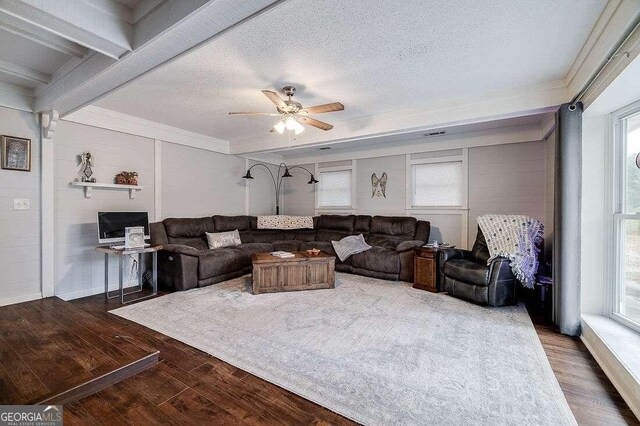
<point>19,299</point>
<point>85,292</point>
<point>603,349</point>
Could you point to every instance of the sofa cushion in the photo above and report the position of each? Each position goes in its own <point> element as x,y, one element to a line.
<point>188,232</point>
<point>267,235</point>
<point>466,271</point>
<point>188,228</point>
<point>286,245</point>
<point>393,225</point>
<point>336,222</point>
<point>349,246</point>
<point>248,249</point>
<point>362,224</point>
<point>480,251</point>
<point>300,234</point>
<point>378,259</point>
<point>231,223</point>
<point>220,261</point>
<point>387,241</point>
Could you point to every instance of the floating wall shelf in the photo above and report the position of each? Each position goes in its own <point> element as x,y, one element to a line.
<point>88,187</point>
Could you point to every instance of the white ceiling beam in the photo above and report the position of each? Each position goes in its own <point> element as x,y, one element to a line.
<point>16,97</point>
<point>38,35</point>
<point>24,72</point>
<point>615,20</point>
<point>77,21</point>
<point>112,120</point>
<point>97,76</point>
<point>146,7</point>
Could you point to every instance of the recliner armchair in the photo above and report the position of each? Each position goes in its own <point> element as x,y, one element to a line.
<point>465,274</point>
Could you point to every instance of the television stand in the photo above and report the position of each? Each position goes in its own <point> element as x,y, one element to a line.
<point>122,253</point>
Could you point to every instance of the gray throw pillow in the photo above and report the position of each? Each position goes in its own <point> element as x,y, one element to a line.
<point>350,245</point>
<point>223,239</point>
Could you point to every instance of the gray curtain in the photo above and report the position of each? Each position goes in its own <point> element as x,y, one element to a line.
<point>567,219</point>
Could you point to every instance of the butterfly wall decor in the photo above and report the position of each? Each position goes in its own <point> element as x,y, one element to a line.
<point>379,185</point>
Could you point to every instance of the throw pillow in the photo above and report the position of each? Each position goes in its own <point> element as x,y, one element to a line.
<point>223,239</point>
<point>350,245</point>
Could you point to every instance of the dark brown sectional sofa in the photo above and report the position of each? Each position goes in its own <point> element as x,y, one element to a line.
<point>186,261</point>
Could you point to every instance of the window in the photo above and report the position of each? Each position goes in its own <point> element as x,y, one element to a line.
<point>626,301</point>
<point>334,189</point>
<point>437,184</point>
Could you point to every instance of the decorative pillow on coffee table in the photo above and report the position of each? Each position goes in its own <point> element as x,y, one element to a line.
<point>223,239</point>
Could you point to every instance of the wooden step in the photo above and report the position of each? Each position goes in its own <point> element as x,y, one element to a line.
<point>95,385</point>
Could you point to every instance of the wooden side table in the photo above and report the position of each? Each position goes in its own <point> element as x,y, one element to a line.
<point>426,269</point>
<point>121,253</point>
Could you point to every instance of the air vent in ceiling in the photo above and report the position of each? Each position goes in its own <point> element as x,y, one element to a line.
<point>436,133</point>
<point>324,148</point>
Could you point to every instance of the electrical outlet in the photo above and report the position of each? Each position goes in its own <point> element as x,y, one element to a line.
<point>21,204</point>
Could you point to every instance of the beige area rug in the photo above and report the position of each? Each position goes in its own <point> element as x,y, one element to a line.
<point>376,351</point>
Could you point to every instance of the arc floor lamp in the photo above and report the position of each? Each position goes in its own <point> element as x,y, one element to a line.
<point>277,180</point>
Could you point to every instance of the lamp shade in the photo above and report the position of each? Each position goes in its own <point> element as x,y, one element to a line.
<point>248,175</point>
<point>313,180</point>
<point>286,173</point>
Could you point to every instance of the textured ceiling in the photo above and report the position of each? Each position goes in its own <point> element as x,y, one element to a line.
<point>374,57</point>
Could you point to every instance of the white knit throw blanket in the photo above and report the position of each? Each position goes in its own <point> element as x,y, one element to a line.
<point>285,222</point>
<point>516,238</point>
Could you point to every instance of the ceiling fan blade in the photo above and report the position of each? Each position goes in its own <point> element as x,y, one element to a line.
<point>272,114</point>
<point>320,109</point>
<point>275,98</point>
<point>315,123</point>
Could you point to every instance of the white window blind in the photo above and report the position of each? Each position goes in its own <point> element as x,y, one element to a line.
<point>437,184</point>
<point>335,189</point>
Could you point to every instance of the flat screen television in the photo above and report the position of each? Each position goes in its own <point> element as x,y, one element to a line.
<point>111,225</point>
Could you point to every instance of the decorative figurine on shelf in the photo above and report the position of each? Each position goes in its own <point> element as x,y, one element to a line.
<point>120,179</point>
<point>126,178</point>
<point>86,167</point>
<point>132,178</point>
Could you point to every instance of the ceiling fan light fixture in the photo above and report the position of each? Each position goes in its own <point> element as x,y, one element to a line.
<point>290,123</point>
<point>280,126</point>
<point>298,128</point>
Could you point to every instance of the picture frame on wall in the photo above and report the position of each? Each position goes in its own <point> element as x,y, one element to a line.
<point>15,153</point>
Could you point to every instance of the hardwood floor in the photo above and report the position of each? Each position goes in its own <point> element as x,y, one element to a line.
<point>51,352</point>
<point>189,386</point>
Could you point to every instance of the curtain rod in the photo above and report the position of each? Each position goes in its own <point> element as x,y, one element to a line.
<point>615,54</point>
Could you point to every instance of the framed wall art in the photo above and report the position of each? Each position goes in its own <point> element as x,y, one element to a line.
<point>16,153</point>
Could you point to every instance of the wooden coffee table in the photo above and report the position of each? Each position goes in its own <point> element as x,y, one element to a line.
<point>302,272</point>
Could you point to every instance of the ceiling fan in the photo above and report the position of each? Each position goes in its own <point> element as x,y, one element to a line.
<point>293,113</point>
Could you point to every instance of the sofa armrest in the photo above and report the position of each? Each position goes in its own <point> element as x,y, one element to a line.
<point>409,245</point>
<point>180,249</point>
<point>500,270</point>
<point>452,253</point>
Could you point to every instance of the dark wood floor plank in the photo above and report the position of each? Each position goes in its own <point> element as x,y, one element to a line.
<point>190,387</point>
<point>189,407</point>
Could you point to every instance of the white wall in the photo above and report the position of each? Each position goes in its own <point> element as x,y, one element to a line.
<point>79,270</point>
<point>198,183</point>
<point>192,182</point>
<point>594,175</point>
<point>261,190</point>
<point>505,178</point>
<point>394,203</point>
<point>299,196</point>
<point>20,229</point>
